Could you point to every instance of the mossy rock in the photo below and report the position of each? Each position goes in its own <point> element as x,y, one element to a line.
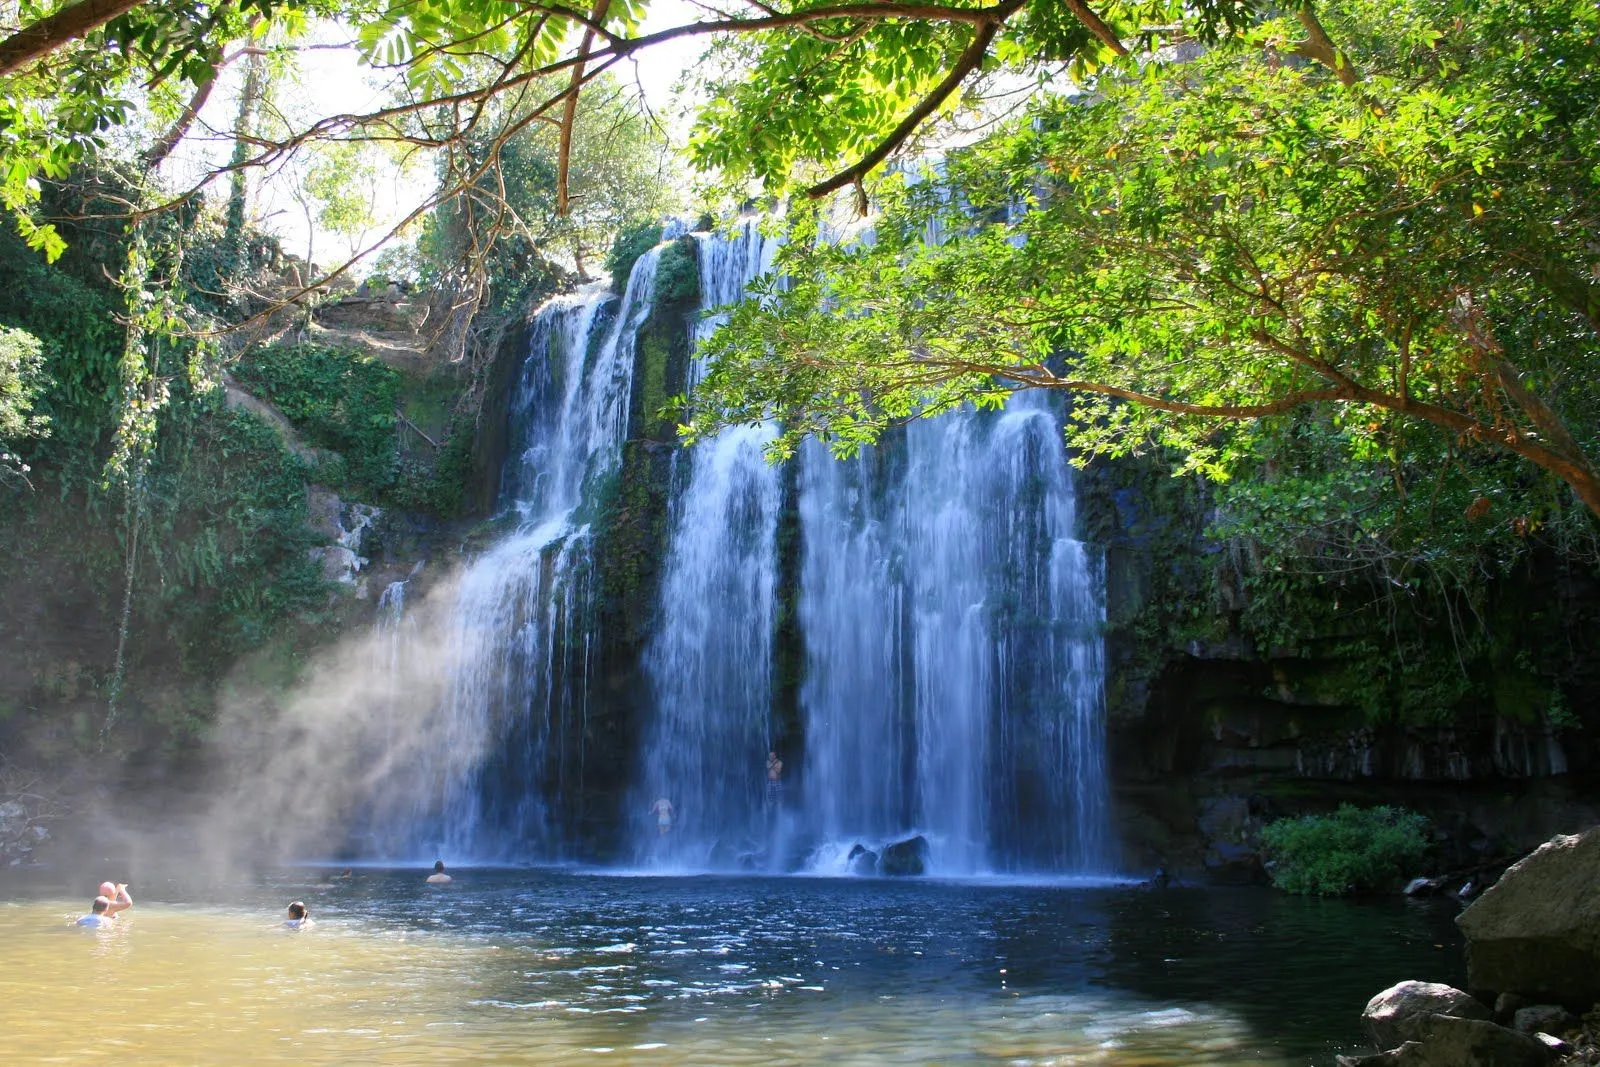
<point>678,274</point>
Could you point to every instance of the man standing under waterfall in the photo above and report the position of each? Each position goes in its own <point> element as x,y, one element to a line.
<point>662,810</point>
<point>774,780</point>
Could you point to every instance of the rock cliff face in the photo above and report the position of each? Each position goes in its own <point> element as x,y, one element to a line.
<point>1212,734</point>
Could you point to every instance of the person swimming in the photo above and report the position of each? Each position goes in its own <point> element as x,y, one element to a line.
<point>117,898</point>
<point>98,913</point>
<point>438,877</point>
<point>299,916</point>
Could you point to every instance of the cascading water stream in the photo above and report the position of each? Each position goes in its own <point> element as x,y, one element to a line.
<point>710,663</point>
<point>948,619</point>
<point>954,658</point>
<point>522,628</point>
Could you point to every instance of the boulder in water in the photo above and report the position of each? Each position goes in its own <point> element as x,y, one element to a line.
<point>862,860</point>
<point>1537,931</point>
<point>1555,1045</point>
<point>905,857</point>
<point>1401,1013</point>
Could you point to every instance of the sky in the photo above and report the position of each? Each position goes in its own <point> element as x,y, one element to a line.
<point>330,78</point>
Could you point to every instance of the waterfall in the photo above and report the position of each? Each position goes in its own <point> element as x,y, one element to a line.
<point>522,630</point>
<point>954,663</point>
<point>710,663</point>
<point>948,625</point>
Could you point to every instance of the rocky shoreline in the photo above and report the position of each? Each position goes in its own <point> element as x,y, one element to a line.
<point>1533,953</point>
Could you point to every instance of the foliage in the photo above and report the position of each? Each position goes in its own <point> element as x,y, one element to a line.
<point>81,346</point>
<point>20,363</point>
<point>1225,239</point>
<point>66,107</point>
<point>437,486</point>
<point>631,242</point>
<point>677,273</point>
<point>1354,850</point>
<point>341,399</point>
<point>339,191</point>
<point>786,108</point>
<point>795,85</point>
<point>226,504</point>
<point>509,221</point>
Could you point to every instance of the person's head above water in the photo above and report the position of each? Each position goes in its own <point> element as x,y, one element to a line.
<point>297,910</point>
<point>438,866</point>
<point>101,903</point>
<point>108,889</point>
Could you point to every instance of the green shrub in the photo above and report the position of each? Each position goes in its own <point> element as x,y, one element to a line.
<point>678,273</point>
<point>340,399</point>
<point>1353,850</point>
<point>631,243</point>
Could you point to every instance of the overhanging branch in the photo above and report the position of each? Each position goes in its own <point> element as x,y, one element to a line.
<point>969,60</point>
<point>61,27</point>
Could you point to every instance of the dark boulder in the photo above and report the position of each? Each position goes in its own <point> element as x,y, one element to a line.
<point>1454,1042</point>
<point>906,857</point>
<point>862,860</point>
<point>1537,931</point>
<point>1230,827</point>
<point>1506,1006</point>
<point>1549,1018</point>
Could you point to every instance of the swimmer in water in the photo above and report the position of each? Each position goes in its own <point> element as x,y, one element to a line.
<point>299,917</point>
<point>116,893</point>
<point>438,877</point>
<point>98,916</point>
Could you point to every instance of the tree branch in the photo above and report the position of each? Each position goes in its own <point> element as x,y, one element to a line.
<point>54,30</point>
<point>966,63</point>
<point>569,115</point>
<point>1319,46</point>
<point>157,153</point>
<point>1085,14</point>
<point>1571,467</point>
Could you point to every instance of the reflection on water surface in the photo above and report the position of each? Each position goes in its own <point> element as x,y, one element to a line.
<point>538,967</point>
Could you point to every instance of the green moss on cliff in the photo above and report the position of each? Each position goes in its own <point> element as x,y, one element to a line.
<point>631,525</point>
<point>1187,582</point>
<point>678,273</point>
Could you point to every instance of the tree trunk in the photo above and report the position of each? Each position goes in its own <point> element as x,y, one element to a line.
<point>157,153</point>
<point>243,130</point>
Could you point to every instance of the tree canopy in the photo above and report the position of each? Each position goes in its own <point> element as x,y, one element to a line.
<point>836,87</point>
<point>1190,214</point>
<point>1224,237</point>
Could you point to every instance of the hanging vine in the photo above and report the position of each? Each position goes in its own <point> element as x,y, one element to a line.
<point>152,319</point>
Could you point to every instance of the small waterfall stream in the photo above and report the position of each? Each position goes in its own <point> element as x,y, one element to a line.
<point>523,626</point>
<point>710,663</point>
<point>954,661</point>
